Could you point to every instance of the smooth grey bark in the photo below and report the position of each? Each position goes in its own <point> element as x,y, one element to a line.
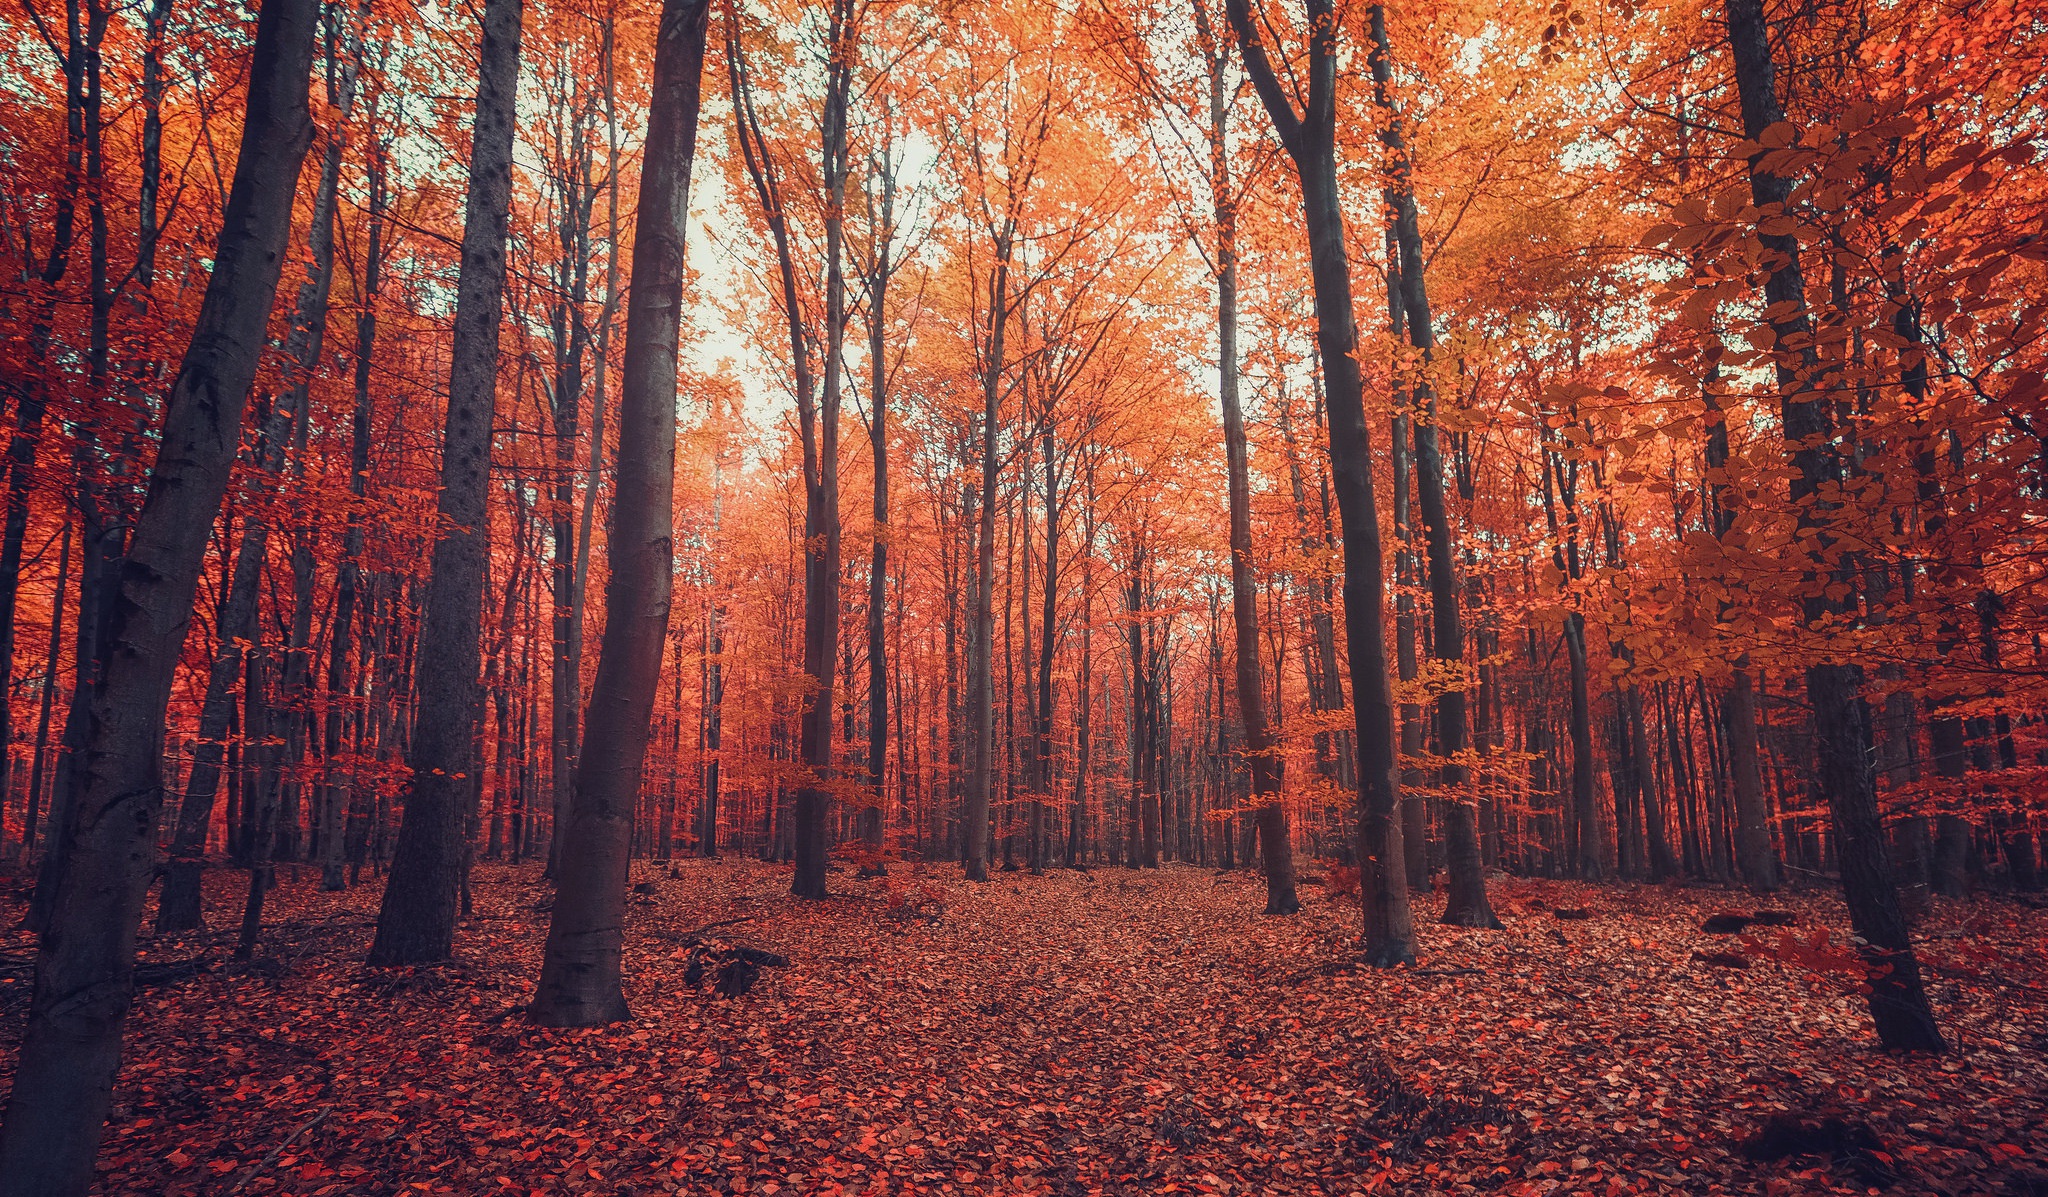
<point>1841,717</point>
<point>572,341</point>
<point>981,632</point>
<point>714,693</point>
<point>1262,753</point>
<point>881,267</point>
<point>422,899</point>
<point>579,979</point>
<point>1310,139</point>
<point>339,781</point>
<point>1084,685</point>
<point>85,963</point>
<point>1414,814</point>
<point>820,428</point>
<point>178,901</point>
<point>1466,904</point>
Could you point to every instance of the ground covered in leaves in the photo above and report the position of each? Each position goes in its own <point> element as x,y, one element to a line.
<point>1079,1033</point>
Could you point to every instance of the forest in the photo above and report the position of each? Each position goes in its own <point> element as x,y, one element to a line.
<point>977,596</point>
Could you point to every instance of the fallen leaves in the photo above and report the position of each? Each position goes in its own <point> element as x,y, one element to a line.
<point>1115,1033</point>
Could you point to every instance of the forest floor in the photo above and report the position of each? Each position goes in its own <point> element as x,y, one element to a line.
<point>1107,1032</point>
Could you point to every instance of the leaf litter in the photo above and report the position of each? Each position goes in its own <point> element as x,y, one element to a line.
<point>1112,1032</point>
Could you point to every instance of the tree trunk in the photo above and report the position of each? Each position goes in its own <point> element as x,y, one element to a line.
<point>340,780</point>
<point>713,700</point>
<point>262,755</point>
<point>878,563</point>
<point>1262,753</point>
<point>579,981</point>
<point>85,965</point>
<point>1841,718</point>
<point>1585,813</point>
<point>416,924</point>
<point>1414,812</point>
<point>1466,905</point>
<point>981,633</point>
<point>1755,859</point>
<point>178,903</point>
<point>1662,865</point>
<point>821,486</point>
<point>1310,139</point>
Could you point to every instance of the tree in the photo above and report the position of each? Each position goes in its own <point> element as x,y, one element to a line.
<point>1466,905</point>
<point>85,963</point>
<point>416,924</point>
<point>1841,717</point>
<point>579,980</point>
<point>1309,136</point>
<point>1260,749</point>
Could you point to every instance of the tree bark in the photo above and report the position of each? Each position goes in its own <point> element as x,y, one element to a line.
<point>1262,753</point>
<point>85,964</point>
<point>1841,718</point>
<point>880,269</point>
<point>1466,905</point>
<point>1310,139</point>
<point>821,483</point>
<point>416,924</point>
<point>579,981</point>
<point>1414,813</point>
<point>178,902</point>
<point>981,635</point>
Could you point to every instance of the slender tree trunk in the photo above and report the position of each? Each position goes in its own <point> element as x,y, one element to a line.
<point>416,924</point>
<point>1755,858</point>
<point>1585,812</point>
<point>579,982</point>
<point>1414,813</point>
<point>880,269</point>
<point>1662,865</point>
<point>85,965</point>
<point>39,762</point>
<point>262,754</point>
<point>713,699</point>
<point>1077,826</point>
<point>1841,718</point>
<point>821,501</point>
<point>178,904</point>
<point>1310,138</point>
<point>981,635</point>
<point>1262,754</point>
<point>1466,905</point>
